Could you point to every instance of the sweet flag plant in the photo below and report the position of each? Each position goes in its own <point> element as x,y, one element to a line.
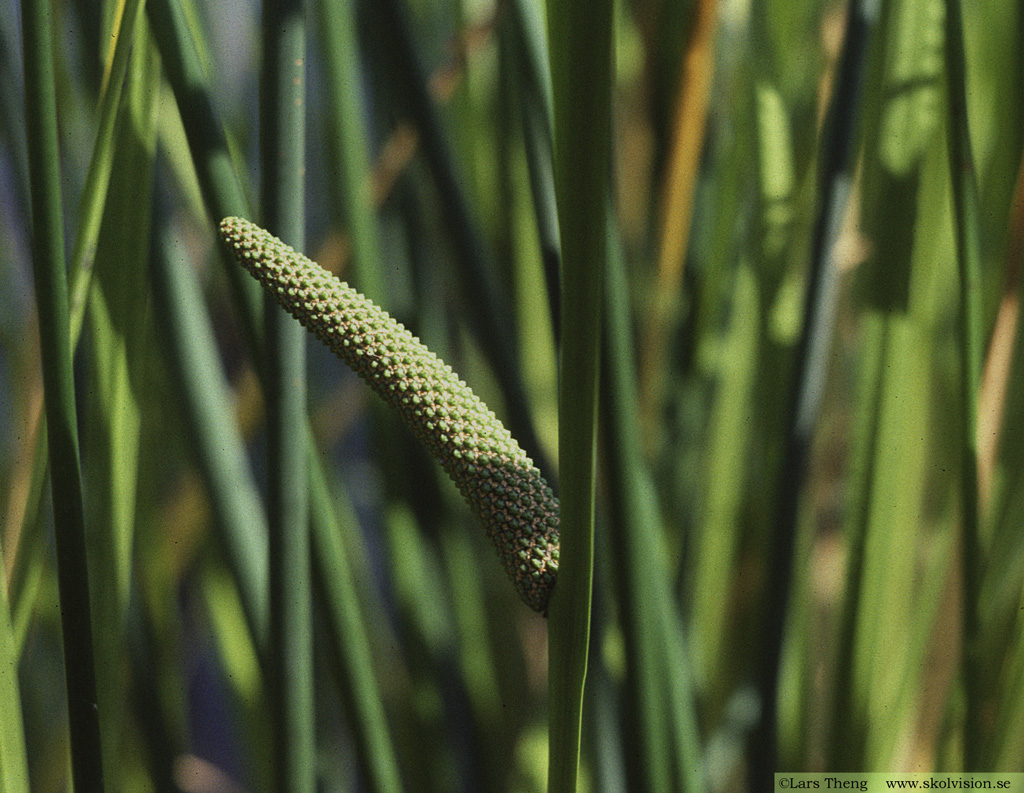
<point>499,482</point>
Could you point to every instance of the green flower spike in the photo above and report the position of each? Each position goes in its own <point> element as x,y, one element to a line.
<point>494,475</point>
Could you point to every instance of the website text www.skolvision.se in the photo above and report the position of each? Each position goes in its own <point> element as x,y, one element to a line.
<point>1007,782</point>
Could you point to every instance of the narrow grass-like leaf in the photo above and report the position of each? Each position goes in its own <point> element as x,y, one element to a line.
<point>12,101</point>
<point>580,42</point>
<point>661,749</point>
<point>118,321</point>
<point>887,605</point>
<point>428,631</point>
<point>13,761</point>
<point>477,667</point>
<point>535,304</point>
<point>834,180</point>
<point>97,180</point>
<point>58,382</point>
<point>779,236</point>
<point>847,721</point>
<point>776,172</point>
<point>881,651</point>
<point>31,552</point>
<point>971,330</point>
<point>527,46</point>
<point>351,147</point>
<point>725,467</point>
<point>332,576</point>
<point>899,126</point>
<point>1005,572</point>
<point>282,163</point>
<point>221,188</point>
<point>91,205</point>
<point>221,455</point>
<point>1010,728</point>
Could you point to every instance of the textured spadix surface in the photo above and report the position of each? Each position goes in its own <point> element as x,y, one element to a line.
<point>494,475</point>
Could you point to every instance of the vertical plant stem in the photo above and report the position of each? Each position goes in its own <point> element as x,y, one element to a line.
<point>220,185</point>
<point>90,210</point>
<point>834,184</point>
<point>350,644</point>
<point>13,758</point>
<point>94,192</point>
<point>526,41</point>
<point>965,221</point>
<point>282,137</point>
<point>341,53</point>
<point>204,394</point>
<point>658,698</point>
<point>224,466</point>
<point>847,721</point>
<point>580,37</point>
<point>58,382</point>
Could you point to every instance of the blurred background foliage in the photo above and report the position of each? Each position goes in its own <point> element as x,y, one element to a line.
<point>805,561</point>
